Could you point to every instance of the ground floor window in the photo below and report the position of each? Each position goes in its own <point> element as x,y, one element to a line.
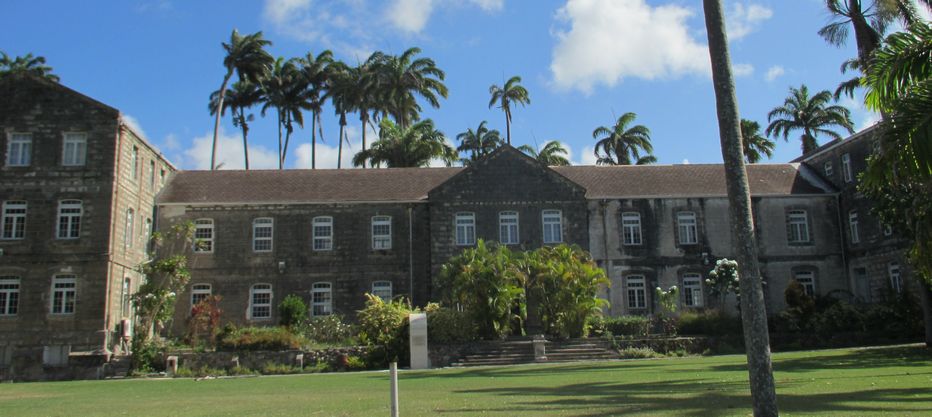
<point>9,295</point>
<point>382,289</point>
<point>692,290</point>
<point>260,301</point>
<point>637,292</point>
<point>199,292</point>
<point>321,299</point>
<point>64,292</point>
<point>56,355</point>
<point>807,280</point>
<point>896,282</point>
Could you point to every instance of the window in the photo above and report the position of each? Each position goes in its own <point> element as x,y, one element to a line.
<point>631,228</point>
<point>204,235</point>
<point>14,220</point>
<point>887,230</point>
<point>692,290</point>
<point>807,280</point>
<point>846,167</point>
<point>508,227</point>
<point>129,229</point>
<point>260,301</point>
<point>686,224</point>
<point>321,299</point>
<point>125,300</point>
<point>56,355</point>
<point>797,222</point>
<point>465,229</point>
<point>199,292</point>
<point>382,289</point>
<point>64,291</point>
<point>147,230</point>
<point>896,281</point>
<point>74,149</point>
<point>262,230</point>
<point>162,176</point>
<point>828,169</point>
<point>637,292</point>
<point>152,174</point>
<point>553,226</point>
<point>322,229</point>
<point>853,226</point>
<point>135,162</point>
<point>69,219</point>
<point>19,150</point>
<point>9,295</point>
<point>381,232</point>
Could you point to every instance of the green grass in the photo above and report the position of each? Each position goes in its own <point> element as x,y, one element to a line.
<point>892,381</point>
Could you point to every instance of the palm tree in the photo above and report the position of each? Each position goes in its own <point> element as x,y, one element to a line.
<point>512,93</point>
<point>753,314</point>
<point>413,146</point>
<point>283,90</point>
<point>478,143</point>
<point>342,88</point>
<point>26,64</point>
<point>402,78</point>
<point>552,154</point>
<point>812,115</point>
<point>755,145</point>
<point>242,96</point>
<point>364,88</point>
<point>315,73</point>
<point>246,55</point>
<point>623,145</point>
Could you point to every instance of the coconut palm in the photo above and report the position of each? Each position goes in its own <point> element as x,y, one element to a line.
<point>755,145</point>
<point>283,90</point>
<point>402,79</point>
<point>363,92</point>
<point>242,96</point>
<point>552,154</point>
<point>315,73</point>
<point>623,145</point>
<point>478,143</point>
<point>812,115</point>
<point>246,55</point>
<point>413,146</point>
<point>342,88</point>
<point>512,93</point>
<point>26,64</point>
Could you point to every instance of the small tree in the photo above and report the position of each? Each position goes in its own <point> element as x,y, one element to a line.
<point>668,304</point>
<point>565,281</point>
<point>292,311</point>
<point>383,327</point>
<point>205,321</point>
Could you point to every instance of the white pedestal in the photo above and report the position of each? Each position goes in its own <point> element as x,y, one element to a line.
<point>419,357</point>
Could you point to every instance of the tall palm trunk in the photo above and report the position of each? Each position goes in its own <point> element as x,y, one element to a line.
<point>223,91</point>
<point>313,139</point>
<point>280,139</point>
<point>320,128</point>
<point>753,314</point>
<point>340,146</point>
<point>284,155</point>
<point>245,129</point>
<point>508,125</point>
<point>363,117</point>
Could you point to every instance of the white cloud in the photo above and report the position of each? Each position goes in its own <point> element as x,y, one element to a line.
<point>685,162</point>
<point>744,19</point>
<point>489,5</point>
<point>327,152</point>
<point>410,15</point>
<point>742,70</point>
<point>229,153</point>
<point>608,40</point>
<point>586,156</point>
<point>134,125</point>
<point>774,72</point>
<point>171,142</point>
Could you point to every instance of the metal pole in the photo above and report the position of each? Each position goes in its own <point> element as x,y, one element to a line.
<point>393,374</point>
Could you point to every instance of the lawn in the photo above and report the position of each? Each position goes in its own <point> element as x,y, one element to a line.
<point>892,381</point>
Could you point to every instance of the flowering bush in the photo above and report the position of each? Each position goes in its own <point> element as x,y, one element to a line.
<point>723,280</point>
<point>667,300</point>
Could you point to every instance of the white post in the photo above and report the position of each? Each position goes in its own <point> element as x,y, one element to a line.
<point>420,359</point>
<point>393,375</point>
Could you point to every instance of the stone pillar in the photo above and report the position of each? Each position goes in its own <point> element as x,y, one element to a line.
<point>540,348</point>
<point>419,357</point>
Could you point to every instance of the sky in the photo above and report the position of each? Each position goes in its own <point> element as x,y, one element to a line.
<point>584,63</point>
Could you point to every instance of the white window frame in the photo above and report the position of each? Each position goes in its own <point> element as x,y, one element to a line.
<point>258,226</point>
<point>896,278</point>
<point>151,174</point>
<point>14,220</point>
<point>887,229</point>
<point>200,292</point>
<point>636,291</point>
<point>321,299</point>
<point>9,295</point>
<point>204,235</point>
<point>382,289</point>
<point>798,223</point>
<point>552,222</point>
<point>125,298</point>
<point>69,216</point>
<point>147,230</point>
<point>129,229</point>
<point>807,280</point>
<point>631,229</point>
<point>73,149</point>
<point>846,168</point>
<point>508,228</point>
<point>22,157</point>
<point>464,224</point>
<point>687,224</point>
<point>64,294</point>
<point>381,232</point>
<point>262,309</point>
<point>829,169</point>
<point>692,290</point>
<point>853,228</point>
<point>321,241</point>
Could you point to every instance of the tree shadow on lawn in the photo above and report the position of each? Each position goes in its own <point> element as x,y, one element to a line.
<point>904,356</point>
<point>538,369</point>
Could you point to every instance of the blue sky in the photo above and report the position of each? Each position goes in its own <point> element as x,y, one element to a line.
<point>584,62</point>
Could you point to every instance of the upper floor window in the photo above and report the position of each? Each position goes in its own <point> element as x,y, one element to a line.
<point>9,295</point>
<point>262,231</point>
<point>162,176</point>
<point>135,161</point>
<point>69,219</point>
<point>381,232</point>
<point>637,292</point>
<point>64,292</point>
<point>147,230</point>
<point>828,169</point>
<point>129,230</point>
<point>382,289</point>
<point>853,226</point>
<point>204,235</point>
<point>19,150</point>
<point>260,301</point>
<point>14,220</point>
<point>553,226</point>
<point>322,230</point>
<point>631,228</point>
<point>692,290</point>
<point>508,227</point>
<point>74,149</point>
<point>321,299</point>
<point>846,167</point>
<point>797,226</point>
<point>688,230</point>
<point>807,280</point>
<point>126,303</point>
<point>896,281</point>
<point>199,292</point>
<point>152,174</point>
<point>465,229</point>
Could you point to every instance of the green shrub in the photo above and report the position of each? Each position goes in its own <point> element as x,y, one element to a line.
<point>330,329</point>
<point>563,284</point>
<point>448,326</point>
<point>383,327</point>
<point>355,363</point>
<point>292,311</point>
<point>201,372</point>
<point>638,353</point>
<point>708,323</point>
<point>259,338</point>
<point>638,326</point>
<point>318,367</point>
<point>272,368</point>
<point>242,370</point>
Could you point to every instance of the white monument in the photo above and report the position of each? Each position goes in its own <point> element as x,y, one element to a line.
<point>419,358</point>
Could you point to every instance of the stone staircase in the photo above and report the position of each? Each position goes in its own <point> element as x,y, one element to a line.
<point>518,351</point>
<point>118,367</point>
